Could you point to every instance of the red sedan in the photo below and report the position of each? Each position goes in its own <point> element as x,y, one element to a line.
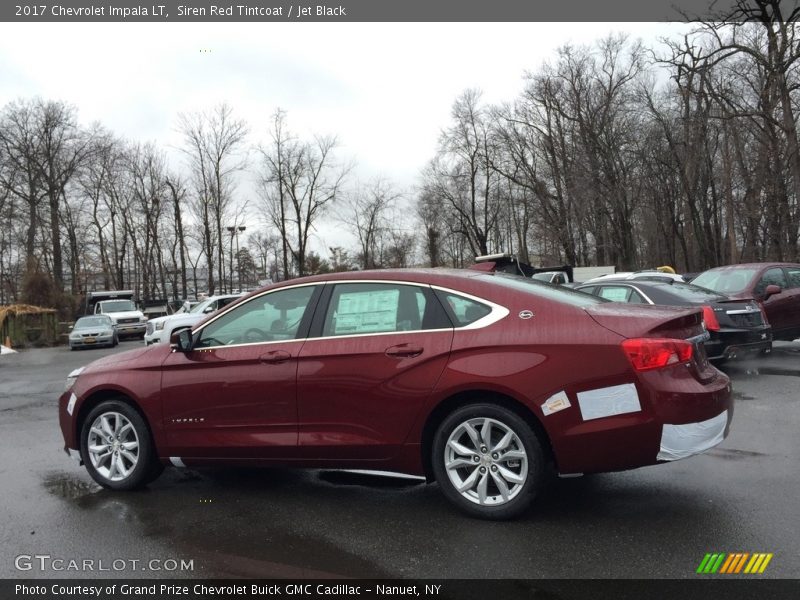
<point>478,381</point>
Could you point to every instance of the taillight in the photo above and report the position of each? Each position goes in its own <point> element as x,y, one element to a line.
<point>710,319</point>
<point>655,353</point>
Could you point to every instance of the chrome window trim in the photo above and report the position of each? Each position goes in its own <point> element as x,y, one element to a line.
<point>497,313</point>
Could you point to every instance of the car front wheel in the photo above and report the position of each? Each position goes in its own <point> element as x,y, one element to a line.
<point>117,448</point>
<point>488,461</point>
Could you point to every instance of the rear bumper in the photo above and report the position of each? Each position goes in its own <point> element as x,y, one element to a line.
<point>688,439</point>
<point>731,344</point>
<point>672,416</point>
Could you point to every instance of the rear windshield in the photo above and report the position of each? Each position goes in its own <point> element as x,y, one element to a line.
<point>692,293</point>
<point>545,290</point>
<point>726,281</point>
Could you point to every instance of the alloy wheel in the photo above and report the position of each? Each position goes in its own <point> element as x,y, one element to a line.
<point>486,461</point>
<point>113,446</point>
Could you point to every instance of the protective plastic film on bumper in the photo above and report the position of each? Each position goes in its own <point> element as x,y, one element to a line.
<point>682,441</point>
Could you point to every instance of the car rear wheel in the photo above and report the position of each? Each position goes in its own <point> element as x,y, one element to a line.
<point>117,448</point>
<point>488,461</point>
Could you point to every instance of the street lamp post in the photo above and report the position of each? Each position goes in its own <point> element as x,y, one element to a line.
<point>235,231</point>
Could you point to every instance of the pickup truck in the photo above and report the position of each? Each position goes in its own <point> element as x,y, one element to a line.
<point>129,321</point>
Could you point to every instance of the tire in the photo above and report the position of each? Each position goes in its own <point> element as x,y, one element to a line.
<point>482,473</point>
<point>115,343</point>
<point>135,462</point>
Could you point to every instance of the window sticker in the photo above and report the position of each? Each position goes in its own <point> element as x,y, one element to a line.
<point>366,312</point>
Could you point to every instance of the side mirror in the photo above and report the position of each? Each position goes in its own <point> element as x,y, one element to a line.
<point>182,340</point>
<point>771,290</point>
<point>208,309</point>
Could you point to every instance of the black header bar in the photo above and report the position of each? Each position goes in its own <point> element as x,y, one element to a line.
<point>182,11</point>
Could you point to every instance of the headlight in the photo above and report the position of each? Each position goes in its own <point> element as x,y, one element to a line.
<point>72,377</point>
<point>109,332</point>
<point>160,326</point>
<point>142,319</point>
<point>74,336</point>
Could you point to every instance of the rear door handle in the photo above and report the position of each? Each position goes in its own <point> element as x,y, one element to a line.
<point>275,357</point>
<point>404,351</point>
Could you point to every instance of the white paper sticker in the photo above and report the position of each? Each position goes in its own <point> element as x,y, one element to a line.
<point>609,401</point>
<point>555,403</point>
<point>682,441</point>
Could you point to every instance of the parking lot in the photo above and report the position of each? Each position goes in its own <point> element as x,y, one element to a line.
<point>648,523</point>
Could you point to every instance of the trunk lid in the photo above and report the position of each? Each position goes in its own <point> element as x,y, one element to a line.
<point>645,321</point>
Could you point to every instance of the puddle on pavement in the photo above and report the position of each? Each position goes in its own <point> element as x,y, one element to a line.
<point>372,480</point>
<point>733,454</point>
<point>70,487</point>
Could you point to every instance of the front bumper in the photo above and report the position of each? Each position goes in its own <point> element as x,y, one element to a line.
<point>100,340</point>
<point>125,329</point>
<point>153,338</point>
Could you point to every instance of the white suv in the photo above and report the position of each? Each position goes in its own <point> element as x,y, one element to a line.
<point>160,329</point>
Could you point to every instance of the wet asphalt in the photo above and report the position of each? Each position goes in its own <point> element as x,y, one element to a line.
<point>654,522</point>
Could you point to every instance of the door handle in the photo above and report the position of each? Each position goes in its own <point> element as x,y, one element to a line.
<point>404,351</point>
<point>275,357</point>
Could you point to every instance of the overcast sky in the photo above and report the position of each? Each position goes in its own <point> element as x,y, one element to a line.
<point>384,89</point>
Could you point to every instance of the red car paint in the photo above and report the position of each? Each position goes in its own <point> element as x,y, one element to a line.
<point>749,280</point>
<point>373,400</point>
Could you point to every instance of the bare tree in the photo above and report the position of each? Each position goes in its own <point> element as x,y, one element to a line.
<point>214,145</point>
<point>299,181</point>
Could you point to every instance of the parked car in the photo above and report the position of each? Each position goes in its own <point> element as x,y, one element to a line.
<point>160,329</point>
<point>775,285</point>
<point>651,274</point>
<point>92,332</point>
<point>120,306</point>
<point>468,378</point>
<point>736,327</point>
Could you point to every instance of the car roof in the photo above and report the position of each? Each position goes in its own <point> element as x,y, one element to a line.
<point>419,275</point>
<point>754,265</point>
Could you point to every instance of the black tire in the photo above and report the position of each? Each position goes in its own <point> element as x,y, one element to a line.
<point>502,421</point>
<point>146,467</point>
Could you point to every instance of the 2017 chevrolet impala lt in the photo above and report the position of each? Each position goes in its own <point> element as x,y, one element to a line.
<point>479,381</point>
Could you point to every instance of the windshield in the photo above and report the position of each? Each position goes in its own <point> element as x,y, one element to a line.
<point>551,292</point>
<point>110,306</point>
<point>198,308</point>
<point>726,281</point>
<point>93,322</point>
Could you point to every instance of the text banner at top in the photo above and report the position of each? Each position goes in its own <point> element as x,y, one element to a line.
<point>378,10</point>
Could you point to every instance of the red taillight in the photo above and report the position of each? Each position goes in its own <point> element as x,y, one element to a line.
<point>655,353</point>
<point>710,319</point>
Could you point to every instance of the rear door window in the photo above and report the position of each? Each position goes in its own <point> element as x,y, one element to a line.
<point>373,308</point>
<point>793,274</point>
<point>615,293</point>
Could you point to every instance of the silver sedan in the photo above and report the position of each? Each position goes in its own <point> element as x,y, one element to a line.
<point>91,331</point>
